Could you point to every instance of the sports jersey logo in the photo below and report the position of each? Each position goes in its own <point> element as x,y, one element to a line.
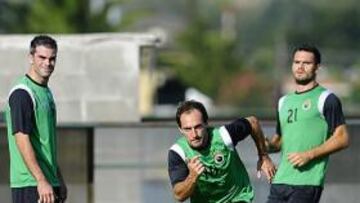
<point>306,105</point>
<point>219,158</point>
<point>211,171</point>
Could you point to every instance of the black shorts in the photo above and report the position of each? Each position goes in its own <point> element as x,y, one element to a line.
<point>281,193</point>
<point>29,195</point>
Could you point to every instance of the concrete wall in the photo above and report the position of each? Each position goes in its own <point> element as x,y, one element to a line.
<point>96,76</point>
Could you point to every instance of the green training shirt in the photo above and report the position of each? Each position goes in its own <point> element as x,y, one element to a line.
<point>303,127</point>
<point>225,178</point>
<point>42,138</point>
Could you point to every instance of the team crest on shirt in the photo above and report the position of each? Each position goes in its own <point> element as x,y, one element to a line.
<point>306,105</point>
<point>219,158</point>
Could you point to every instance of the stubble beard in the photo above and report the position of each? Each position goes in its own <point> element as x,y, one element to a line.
<point>305,81</point>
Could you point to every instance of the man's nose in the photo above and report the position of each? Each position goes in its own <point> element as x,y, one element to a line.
<point>301,65</point>
<point>194,132</point>
<point>47,62</point>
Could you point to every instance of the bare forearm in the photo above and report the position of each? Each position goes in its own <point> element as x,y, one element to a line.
<point>183,190</point>
<point>337,142</point>
<point>28,154</point>
<point>258,136</point>
<point>264,163</point>
<point>45,190</point>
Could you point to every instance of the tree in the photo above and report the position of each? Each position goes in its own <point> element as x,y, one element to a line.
<point>203,58</point>
<point>61,16</point>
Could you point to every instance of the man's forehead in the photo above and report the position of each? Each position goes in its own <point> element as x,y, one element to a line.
<point>44,47</point>
<point>191,113</point>
<point>44,51</point>
<point>304,53</point>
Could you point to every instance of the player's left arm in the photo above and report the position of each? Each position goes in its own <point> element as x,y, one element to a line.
<point>265,163</point>
<point>240,129</point>
<point>338,140</point>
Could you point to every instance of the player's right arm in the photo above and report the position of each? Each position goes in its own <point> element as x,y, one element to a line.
<point>183,175</point>
<point>45,190</point>
<point>22,117</point>
<point>273,144</point>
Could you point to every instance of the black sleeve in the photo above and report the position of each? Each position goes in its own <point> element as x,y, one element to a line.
<point>333,113</point>
<point>22,113</point>
<point>239,130</point>
<point>177,168</point>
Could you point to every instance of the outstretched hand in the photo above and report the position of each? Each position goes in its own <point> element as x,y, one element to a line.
<point>266,166</point>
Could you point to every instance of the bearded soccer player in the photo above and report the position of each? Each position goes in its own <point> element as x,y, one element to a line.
<point>310,127</point>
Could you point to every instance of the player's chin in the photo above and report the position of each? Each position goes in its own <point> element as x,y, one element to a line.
<point>196,143</point>
<point>300,77</point>
<point>46,74</point>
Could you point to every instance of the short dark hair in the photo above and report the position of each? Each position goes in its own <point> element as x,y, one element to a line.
<point>188,106</point>
<point>309,48</point>
<point>42,40</point>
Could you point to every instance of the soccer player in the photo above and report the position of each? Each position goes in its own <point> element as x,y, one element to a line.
<point>31,128</point>
<point>310,127</point>
<point>204,165</point>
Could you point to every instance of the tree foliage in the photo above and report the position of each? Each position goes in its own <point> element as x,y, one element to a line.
<point>203,57</point>
<point>61,16</point>
<point>245,71</point>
